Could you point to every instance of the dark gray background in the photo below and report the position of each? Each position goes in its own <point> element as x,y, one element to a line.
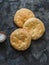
<point>38,53</point>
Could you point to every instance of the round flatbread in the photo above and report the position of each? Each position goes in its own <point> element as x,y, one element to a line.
<point>22,15</point>
<point>35,27</point>
<point>20,39</point>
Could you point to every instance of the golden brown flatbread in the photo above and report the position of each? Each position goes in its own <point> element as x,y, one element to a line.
<point>22,15</point>
<point>35,27</point>
<point>20,39</point>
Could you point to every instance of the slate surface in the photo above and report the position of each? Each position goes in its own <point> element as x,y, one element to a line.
<point>38,53</point>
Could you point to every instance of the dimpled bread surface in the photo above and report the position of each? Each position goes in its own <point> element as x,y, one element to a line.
<point>35,27</point>
<point>20,39</point>
<point>22,15</point>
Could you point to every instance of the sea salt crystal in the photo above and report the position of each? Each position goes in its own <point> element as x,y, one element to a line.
<point>2,37</point>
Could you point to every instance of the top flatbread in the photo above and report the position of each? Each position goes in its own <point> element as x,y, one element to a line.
<point>22,15</point>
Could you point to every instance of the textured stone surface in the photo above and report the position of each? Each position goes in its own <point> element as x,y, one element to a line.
<point>1,1</point>
<point>38,53</point>
<point>43,59</point>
